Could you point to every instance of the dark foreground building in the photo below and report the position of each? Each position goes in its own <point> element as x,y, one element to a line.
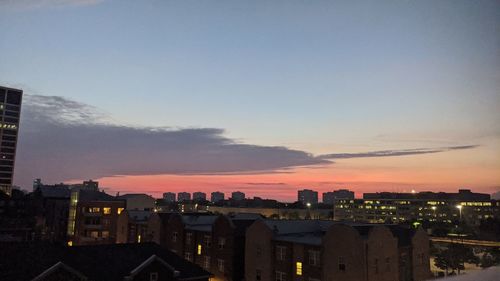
<point>146,261</point>
<point>10,110</point>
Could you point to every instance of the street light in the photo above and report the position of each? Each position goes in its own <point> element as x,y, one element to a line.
<point>434,210</point>
<point>459,207</point>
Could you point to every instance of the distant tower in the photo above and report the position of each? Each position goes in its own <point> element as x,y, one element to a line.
<point>10,110</point>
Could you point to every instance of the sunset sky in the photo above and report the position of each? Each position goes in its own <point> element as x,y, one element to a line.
<point>265,97</point>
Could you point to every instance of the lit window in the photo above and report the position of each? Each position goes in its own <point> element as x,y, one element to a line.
<point>119,210</point>
<point>105,234</point>
<point>107,210</point>
<point>139,238</point>
<point>153,276</point>
<point>298,268</point>
<point>199,249</point>
<point>94,234</point>
<point>70,243</point>
<point>94,210</point>
<point>220,265</point>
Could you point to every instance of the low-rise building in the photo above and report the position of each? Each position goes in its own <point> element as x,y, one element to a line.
<point>409,207</point>
<point>325,250</point>
<point>114,262</point>
<point>93,217</point>
<point>132,226</point>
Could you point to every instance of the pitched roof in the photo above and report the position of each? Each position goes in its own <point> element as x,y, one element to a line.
<point>97,262</point>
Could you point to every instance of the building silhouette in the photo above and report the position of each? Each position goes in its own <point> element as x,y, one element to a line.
<point>10,110</point>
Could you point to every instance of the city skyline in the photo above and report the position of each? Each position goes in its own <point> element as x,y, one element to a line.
<point>169,96</point>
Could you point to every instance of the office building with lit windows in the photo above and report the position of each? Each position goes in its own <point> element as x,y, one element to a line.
<point>315,250</point>
<point>93,217</point>
<point>441,207</point>
<point>10,111</point>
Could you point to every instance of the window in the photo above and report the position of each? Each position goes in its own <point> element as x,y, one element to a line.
<point>139,238</point>
<point>206,262</point>
<point>208,240</point>
<point>388,264</point>
<point>105,234</point>
<point>189,238</point>
<point>107,210</point>
<point>188,256</point>
<point>258,251</point>
<point>280,253</point>
<point>375,265</point>
<point>342,264</point>
<point>220,265</point>
<point>298,268</point>
<point>314,257</point>
<point>174,236</point>
<point>94,209</point>
<point>258,275</point>
<point>153,276</point>
<point>119,210</point>
<point>222,242</point>
<point>280,276</point>
<point>94,234</point>
<point>199,249</point>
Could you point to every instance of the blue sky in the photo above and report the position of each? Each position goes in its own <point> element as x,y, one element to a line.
<point>318,76</point>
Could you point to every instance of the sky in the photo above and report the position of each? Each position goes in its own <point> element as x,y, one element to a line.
<point>265,97</point>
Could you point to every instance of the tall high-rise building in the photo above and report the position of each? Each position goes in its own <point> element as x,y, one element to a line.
<point>199,196</point>
<point>307,196</point>
<point>183,196</point>
<point>169,197</point>
<point>238,195</point>
<point>217,196</point>
<point>10,110</point>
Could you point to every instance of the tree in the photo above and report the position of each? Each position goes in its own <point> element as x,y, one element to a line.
<point>454,258</point>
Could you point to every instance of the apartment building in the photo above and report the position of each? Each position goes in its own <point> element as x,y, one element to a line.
<point>93,217</point>
<point>315,250</point>
<point>132,226</point>
<point>214,242</point>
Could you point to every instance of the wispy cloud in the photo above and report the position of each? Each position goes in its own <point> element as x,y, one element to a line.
<point>61,139</point>
<point>390,153</point>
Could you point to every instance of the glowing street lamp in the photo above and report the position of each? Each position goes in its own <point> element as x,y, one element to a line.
<point>434,211</point>
<point>459,207</point>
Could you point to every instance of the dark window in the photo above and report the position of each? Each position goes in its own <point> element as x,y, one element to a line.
<point>12,107</point>
<point>7,150</point>
<point>5,169</point>
<point>9,132</point>
<point>5,175</point>
<point>14,97</point>
<point>6,162</point>
<point>2,95</point>
<point>5,181</point>
<point>258,275</point>
<point>10,120</point>
<point>12,113</point>
<point>9,138</point>
<point>8,144</point>
<point>342,266</point>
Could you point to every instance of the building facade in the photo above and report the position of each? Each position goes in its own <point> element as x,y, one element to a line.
<point>199,196</point>
<point>330,197</point>
<point>169,197</point>
<point>93,217</point>
<point>183,196</point>
<point>139,201</point>
<point>132,226</point>
<point>238,195</point>
<point>307,196</point>
<point>217,197</point>
<point>316,250</point>
<point>464,206</point>
<point>10,112</point>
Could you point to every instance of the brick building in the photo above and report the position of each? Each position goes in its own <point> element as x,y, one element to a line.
<point>315,250</point>
<point>93,217</point>
<point>132,226</point>
<point>214,242</point>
